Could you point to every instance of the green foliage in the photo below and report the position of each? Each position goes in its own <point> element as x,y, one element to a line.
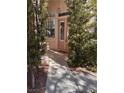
<point>93,91</point>
<point>82,40</point>
<point>36,29</point>
<point>90,53</point>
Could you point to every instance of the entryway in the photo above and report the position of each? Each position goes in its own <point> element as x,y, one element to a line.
<point>62,34</point>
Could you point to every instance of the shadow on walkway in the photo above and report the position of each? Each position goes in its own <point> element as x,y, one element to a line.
<point>61,80</point>
<point>60,58</point>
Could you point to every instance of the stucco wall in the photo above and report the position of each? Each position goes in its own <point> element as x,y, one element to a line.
<point>56,5</point>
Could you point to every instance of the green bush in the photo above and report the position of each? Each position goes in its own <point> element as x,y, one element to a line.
<point>90,53</point>
<point>84,51</point>
<point>86,59</point>
<point>82,33</point>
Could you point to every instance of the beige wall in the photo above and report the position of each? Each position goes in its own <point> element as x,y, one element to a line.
<point>56,5</point>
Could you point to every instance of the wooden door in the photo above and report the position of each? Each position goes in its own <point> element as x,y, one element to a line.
<point>62,34</point>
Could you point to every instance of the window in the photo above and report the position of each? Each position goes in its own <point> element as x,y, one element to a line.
<point>51,28</point>
<point>62,31</point>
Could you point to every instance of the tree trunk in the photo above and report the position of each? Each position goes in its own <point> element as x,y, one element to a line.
<point>33,79</point>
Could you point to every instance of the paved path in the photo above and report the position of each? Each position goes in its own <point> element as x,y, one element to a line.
<point>61,80</point>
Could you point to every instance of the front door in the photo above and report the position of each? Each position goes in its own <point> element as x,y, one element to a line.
<point>62,35</point>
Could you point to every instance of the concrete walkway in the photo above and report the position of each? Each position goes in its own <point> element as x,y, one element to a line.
<point>61,80</point>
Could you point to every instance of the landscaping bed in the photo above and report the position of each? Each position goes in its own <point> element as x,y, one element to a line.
<point>40,79</point>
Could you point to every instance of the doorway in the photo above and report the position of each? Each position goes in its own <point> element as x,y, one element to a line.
<point>62,34</point>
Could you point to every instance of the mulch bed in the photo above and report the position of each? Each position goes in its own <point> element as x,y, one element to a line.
<point>40,80</point>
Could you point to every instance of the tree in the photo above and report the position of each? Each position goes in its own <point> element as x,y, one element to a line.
<point>37,15</point>
<point>82,39</point>
<point>36,29</point>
